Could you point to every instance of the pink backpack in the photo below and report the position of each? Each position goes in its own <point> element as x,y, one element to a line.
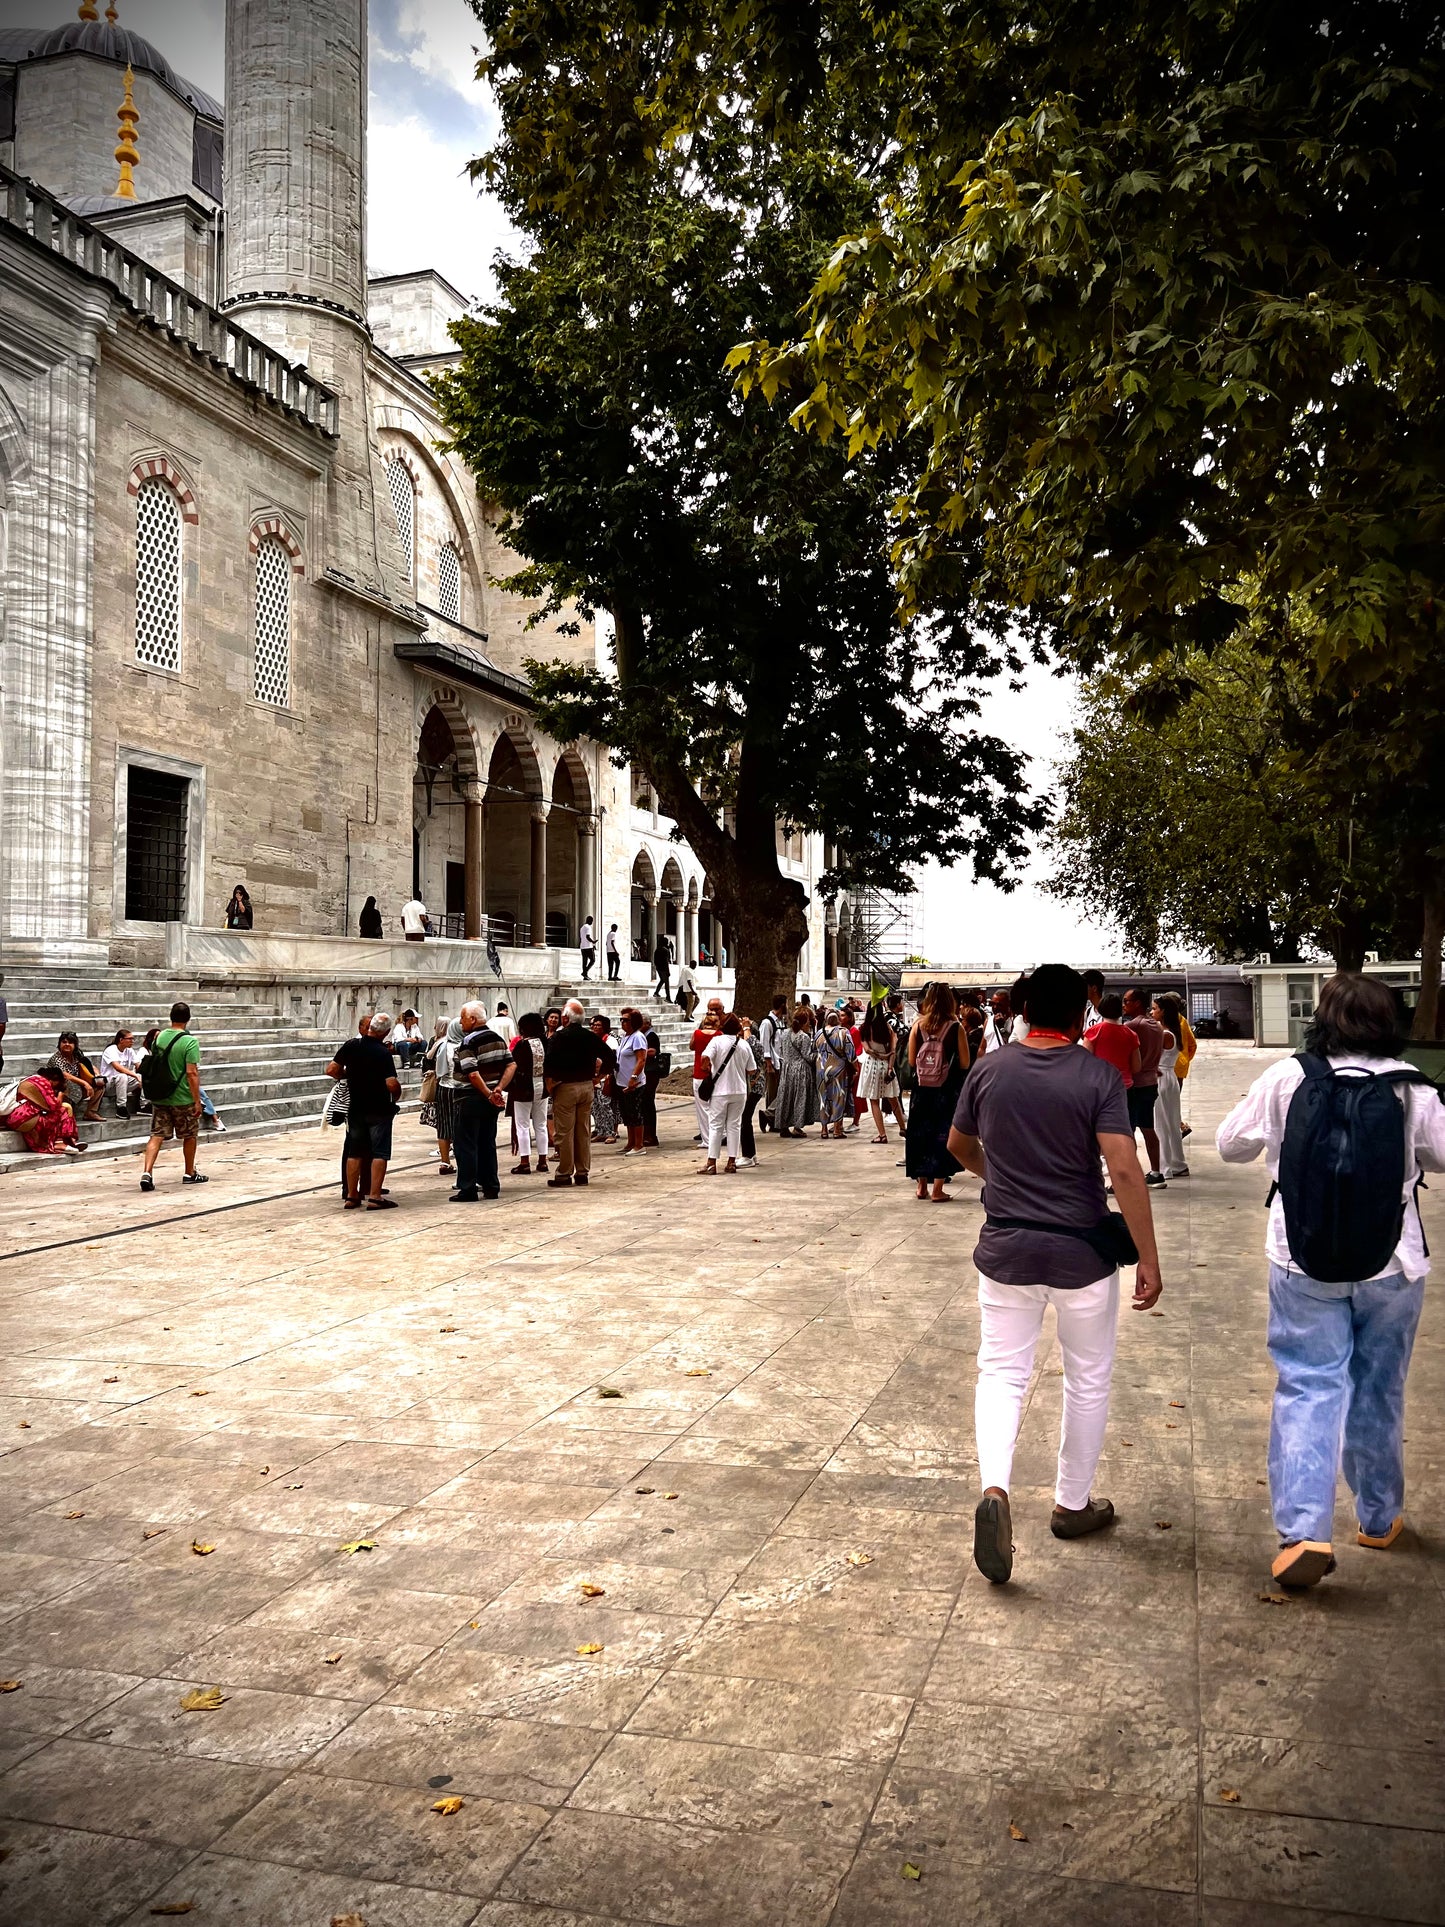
<point>931,1065</point>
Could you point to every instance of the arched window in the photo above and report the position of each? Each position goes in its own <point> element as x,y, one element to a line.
<point>272,673</point>
<point>403,501</point>
<point>157,576</point>
<point>449,582</point>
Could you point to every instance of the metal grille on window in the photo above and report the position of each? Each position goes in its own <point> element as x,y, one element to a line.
<point>155,846</point>
<point>403,500</point>
<point>273,624</point>
<point>157,576</point>
<point>449,583</point>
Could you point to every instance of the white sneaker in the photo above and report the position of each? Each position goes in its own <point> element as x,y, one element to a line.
<point>219,1128</point>
<point>746,1164</point>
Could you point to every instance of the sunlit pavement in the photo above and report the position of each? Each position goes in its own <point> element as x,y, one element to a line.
<point>356,1471</point>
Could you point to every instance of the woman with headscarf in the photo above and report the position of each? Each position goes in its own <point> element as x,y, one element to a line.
<point>835,1059</point>
<point>38,1112</point>
<point>239,915</point>
<point>370,923</point>
<point>797,1100</point>
<point>439,1057</point>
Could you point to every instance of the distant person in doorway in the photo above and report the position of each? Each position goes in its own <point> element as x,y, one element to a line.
<point>415,923</point>
<point>174,1089</point>
<point>373,1092</point>
<point>1344,1204</point>
<point>1033,1122</point>
<point>662,969</point>
<point>613,948</point>
<point>587,941</point>
<point>1144,1091</point>
<point>238,911</point>
<point>369,924</point>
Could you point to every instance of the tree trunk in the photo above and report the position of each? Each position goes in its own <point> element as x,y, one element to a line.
<point>1427,1012</point>
<point>1351,937</point>
<point>765,938</point>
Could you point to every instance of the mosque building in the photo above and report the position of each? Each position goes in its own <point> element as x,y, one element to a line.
<point>249,627</point>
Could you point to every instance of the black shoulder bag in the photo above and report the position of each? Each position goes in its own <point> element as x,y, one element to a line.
<point>708,1084</point>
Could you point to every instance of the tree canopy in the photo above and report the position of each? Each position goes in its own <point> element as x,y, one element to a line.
<point>1188,821</point>
<point>762,676</point>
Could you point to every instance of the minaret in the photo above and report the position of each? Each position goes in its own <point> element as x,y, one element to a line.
<point>295,250</point>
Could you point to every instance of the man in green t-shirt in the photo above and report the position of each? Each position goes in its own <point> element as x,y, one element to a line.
<point>176,1100</point>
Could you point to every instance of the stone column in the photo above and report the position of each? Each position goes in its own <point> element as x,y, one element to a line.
<point>474,831</point>
<point>717,941</point>
<point>539,876</point>
<point>586,867</point>
<point>689,926</point>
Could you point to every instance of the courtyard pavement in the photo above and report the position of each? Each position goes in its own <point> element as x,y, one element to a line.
<point>708,1651</point>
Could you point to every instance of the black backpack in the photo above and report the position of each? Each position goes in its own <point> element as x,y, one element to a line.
<point>1342,1169</point>
<point>157,1079</point>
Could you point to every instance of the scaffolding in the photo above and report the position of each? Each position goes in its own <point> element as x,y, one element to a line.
<point>884,930</point>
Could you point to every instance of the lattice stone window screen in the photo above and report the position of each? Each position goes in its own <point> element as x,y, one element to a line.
<point>449,583</point>
<point>403,500</point>
<point>157,576</point>
<point>273,624</point>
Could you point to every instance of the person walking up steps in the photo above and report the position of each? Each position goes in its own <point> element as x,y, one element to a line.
<point>662,966</point>
<point>1032,1121</point>
<point>171,1079</point>
<point>1347,1128</point>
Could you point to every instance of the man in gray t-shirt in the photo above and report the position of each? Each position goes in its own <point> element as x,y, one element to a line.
<point>1032,1121</point>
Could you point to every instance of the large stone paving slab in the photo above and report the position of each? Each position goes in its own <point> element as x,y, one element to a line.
<point>800,1685</point>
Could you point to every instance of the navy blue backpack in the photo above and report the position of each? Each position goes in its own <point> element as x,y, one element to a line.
<point>1342,1169</point>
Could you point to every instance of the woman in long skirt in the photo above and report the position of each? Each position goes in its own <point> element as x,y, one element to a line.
<point>938,1053</point>
<point>835,1057</point>
<point>604,1092</point>
<point>797,1100</point>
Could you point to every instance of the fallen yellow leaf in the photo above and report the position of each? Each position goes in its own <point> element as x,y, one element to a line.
<point>203,1393</point>
<point>697,1372</point>
<point>1163,1525</point>
<point>198,1546</point>
<point>859,1558</point>
<point>910,1872</point>
<point>9,1685</point>
<point>111,1381</point>
<point>1016,1833</point>
<point>1228,1793</point>
<point>360,1545</point>
<point>590,1647</point>
<point>25,1425</point>
<point>592,1592</point>
<point>1176,1404</point>
<point>75,1515</point>
<point>205,1699</point>
<point>1170,1428</point>
<point>670,1495</point>
<point>1126,1441</point>
<point>330,1659</point>
<point>152,1532</point>
<point>1273,1598</point>
<point>446,1328</point>
<point>1156,1314</point>
<point>452,1804</point>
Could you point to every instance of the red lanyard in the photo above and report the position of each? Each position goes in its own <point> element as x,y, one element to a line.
<point>1034,1031</point>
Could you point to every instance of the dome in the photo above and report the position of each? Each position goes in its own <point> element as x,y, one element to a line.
<point>124,49</point>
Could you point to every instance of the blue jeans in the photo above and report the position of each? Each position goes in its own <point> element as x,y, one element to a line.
<point>474,1145</point>
<point>1342,1353</point>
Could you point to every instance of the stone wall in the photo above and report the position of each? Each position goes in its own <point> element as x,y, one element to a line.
<point>65,129</point>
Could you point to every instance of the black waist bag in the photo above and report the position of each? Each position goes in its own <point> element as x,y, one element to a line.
<point>1111,1238</point>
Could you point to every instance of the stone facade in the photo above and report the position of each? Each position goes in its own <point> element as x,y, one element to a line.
<point>337,707</point>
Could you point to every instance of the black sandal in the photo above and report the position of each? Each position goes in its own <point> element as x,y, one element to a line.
<point>993,1540</point>
<point>195,1177</point>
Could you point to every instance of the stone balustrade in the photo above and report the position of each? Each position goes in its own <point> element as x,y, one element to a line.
<point>166,305</point>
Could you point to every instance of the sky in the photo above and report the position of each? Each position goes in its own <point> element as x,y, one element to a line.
<point>428,118</point>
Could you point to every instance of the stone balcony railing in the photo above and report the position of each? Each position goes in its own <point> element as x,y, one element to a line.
<point>193,323</point>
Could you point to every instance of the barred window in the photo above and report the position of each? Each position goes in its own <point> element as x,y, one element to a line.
<point>449,583</point>
<point>403,500</point>
<point>273,624</point>
<point>157,576</point>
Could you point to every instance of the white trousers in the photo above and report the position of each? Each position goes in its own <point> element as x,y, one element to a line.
<point>530,1116</point>
<point>1167,1121</point>
<point>1013,1316</point>
<point>701,1110</point>
<point>724,1124</point>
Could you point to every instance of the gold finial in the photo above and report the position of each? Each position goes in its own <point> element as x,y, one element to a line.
<point>112,13</point>
<point>126,151</point>
<point>87,10</point>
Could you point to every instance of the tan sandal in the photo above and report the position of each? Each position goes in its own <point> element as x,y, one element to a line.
<point>1383,1540</point>
<point>1303,1564</point>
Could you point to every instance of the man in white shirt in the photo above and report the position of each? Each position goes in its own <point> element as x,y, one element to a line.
<point>414,921</point>
<point>587,941</point>
<point>687,988</point>
<point>504,1026</point>
<point>614,955</point>
<point>406,1038</point>
<point>1341,1349</point>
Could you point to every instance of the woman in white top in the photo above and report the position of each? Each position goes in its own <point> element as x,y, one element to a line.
<point>730,1064</point>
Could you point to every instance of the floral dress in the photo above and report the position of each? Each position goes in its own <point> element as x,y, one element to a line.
<point>835,1075</point>
<point>50,1127</point>
<point>797,1101</point>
